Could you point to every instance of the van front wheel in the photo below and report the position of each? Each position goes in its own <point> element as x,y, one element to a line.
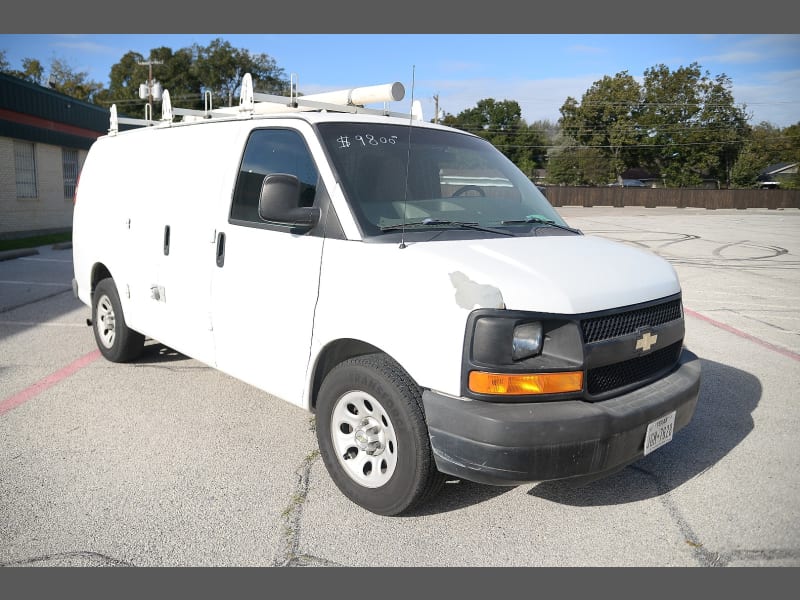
<point>116,341</point>
<point>373,438</point>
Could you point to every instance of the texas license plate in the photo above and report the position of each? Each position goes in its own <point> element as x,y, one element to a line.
<point>659,432</point>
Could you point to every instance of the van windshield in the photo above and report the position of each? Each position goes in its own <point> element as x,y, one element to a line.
<point>438,177</point>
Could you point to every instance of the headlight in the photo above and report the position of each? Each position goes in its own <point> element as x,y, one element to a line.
<point>514,355</point>
<point>527,340</point>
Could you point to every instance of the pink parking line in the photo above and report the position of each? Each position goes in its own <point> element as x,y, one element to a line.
<point>37,388</point>
<point>742,334</point>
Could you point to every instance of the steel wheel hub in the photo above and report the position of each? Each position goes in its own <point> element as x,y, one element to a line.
<point>364,439</point>
<point>105,321</point>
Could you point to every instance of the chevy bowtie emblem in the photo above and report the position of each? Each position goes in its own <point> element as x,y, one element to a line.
<point>646,342</point>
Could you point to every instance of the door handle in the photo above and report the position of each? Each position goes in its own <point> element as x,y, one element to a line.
<point>220,249</point>
<point>166,240</point>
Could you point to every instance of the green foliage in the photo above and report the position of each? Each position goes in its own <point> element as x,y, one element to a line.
<point>60,77</point>
<point>577,165</point>
<point>607,120</point>
<point>681,124</point>
<point>173,70</point>
<point>63,79</point>
<point>744,173</point>
<point>194,76</point>
<point>501,123</point>
<point>694,126</point>
<point>221,67</point>
<point>32,70</point>
<point>767,145</point>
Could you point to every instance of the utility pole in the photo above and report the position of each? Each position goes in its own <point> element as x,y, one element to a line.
<point>150,82</point>
<point>436,113</point>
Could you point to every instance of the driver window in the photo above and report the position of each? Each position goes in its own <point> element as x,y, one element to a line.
<point>271,151</point>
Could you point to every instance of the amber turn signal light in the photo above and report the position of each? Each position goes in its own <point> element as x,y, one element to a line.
<point>525,384</point>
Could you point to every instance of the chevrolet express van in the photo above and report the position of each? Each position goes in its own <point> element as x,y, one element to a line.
<point>401,280</point>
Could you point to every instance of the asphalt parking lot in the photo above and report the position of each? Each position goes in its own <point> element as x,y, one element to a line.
<point>167,462</point>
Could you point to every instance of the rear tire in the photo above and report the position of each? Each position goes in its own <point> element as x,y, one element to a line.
<point>373,438</point>
<point>116,341</point>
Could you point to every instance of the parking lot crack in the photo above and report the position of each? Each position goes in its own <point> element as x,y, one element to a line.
<point>78,558</point>
<point>791,554</point>
<point>704,556</point>
<point>289,555</point>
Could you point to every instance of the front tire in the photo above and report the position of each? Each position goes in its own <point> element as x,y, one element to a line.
<point>116,341</point>
<point>373,438</point>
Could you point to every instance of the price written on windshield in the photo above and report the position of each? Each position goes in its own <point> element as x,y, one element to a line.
<point>365,140</point>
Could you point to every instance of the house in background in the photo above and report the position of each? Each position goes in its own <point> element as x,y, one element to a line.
<point>773,175</point>
<point>44,139</point>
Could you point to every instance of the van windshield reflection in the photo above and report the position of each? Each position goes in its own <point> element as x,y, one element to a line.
<point>397,176</point>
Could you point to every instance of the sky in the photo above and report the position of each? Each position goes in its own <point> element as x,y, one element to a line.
<point>539,71</point>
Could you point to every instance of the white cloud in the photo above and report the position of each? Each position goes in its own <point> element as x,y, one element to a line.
<point>86,46</point>
<point>734,57</point>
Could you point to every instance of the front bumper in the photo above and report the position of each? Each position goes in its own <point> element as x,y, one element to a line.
<point>511,444</point>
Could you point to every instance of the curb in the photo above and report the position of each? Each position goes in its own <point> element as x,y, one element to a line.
<point>10,254</point>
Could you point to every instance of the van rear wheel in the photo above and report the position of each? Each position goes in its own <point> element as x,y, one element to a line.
<point>373,438</point>
<point>116,341</point>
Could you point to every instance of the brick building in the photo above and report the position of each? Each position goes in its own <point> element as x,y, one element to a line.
<point>44,139</point>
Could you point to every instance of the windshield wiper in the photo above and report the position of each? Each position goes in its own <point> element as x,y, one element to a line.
<point>460,224</point>
<point>540,221</point>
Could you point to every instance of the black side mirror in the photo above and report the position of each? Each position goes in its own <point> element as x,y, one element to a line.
<point>279,202</point>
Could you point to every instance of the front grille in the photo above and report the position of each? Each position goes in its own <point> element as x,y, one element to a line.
<point>611,326</point>
<point>630,372</point>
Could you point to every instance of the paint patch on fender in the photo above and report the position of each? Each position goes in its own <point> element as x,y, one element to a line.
<point>471,295</point>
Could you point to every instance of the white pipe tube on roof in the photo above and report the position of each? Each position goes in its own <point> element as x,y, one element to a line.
<point>387,92</point>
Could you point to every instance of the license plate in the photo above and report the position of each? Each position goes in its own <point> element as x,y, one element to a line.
<point>659,432</point>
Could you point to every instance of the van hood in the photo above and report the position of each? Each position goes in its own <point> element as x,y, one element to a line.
<point>558,274</point>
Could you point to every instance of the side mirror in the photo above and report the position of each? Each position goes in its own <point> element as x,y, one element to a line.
<point>279,202</point>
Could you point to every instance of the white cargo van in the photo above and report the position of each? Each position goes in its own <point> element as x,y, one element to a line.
<point>402,280</point>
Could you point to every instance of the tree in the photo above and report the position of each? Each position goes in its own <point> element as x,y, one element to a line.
<point>61,78</point>
<point>173,70</point>
<point>125,78</point>
<point>606,119</point>
<point>32,70</point>
<point>572,164</point>
<point>221,67</point>
<point>501,123</point>
<point>190,74</point>
<point>744,173</point>
<point>4,64</point>
<point>766,145</point>
<point>682,124</point>
<point>791,136</point>
<point>693,126</point>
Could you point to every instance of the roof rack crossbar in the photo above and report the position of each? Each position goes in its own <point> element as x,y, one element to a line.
<point>250,102</point>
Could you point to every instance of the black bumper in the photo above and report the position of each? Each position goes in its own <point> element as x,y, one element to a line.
<point>511,444</point>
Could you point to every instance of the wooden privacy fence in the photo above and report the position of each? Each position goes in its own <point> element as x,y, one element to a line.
<point>674,197</point>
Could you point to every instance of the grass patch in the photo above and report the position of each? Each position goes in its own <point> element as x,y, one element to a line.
<point>35,241</point>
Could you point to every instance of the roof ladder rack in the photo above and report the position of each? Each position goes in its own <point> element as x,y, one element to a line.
<point>251,103</point>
